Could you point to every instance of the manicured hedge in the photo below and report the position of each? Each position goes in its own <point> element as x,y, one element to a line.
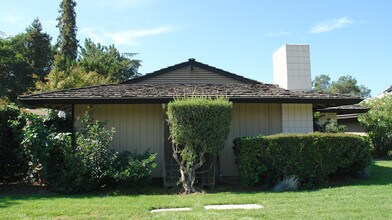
<point>314,158</point>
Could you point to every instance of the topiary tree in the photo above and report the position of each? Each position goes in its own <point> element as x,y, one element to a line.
<point>377,122</point>
<point>198,129</point>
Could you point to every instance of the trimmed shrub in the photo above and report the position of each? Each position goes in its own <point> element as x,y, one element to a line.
<point>313,158</point>
<point>198,127</point>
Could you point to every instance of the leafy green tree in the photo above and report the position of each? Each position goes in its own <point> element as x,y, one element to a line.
<point>377,122</point>
<point>321,83</point>
<point>108,62</point>
<point>344,85</point>
<point>39,50</point>
<point>67,42</point>
<point>15,71</point>
<point>198,129</point>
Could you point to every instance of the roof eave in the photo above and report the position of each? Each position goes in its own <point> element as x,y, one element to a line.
<point>135,100</point>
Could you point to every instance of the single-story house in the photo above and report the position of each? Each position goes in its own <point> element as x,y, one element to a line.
<point>137,107</point>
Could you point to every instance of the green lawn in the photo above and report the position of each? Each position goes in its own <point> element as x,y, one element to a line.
<point>360,199</point>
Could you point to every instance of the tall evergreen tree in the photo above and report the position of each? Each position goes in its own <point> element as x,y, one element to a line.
<point>67,42</point>
<point>39,50</point>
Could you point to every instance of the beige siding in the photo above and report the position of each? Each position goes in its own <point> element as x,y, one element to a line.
<point>249,120</point>
<point>186,75</point>
<point>138,127</point>
<point>141,126</point>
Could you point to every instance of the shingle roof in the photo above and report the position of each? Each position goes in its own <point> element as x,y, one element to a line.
<point>161,93</point>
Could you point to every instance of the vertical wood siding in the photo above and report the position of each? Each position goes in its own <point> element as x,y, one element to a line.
<point>138,127</point>
<point>249,120</point>
<point>186,75</point>
<point>141,126</point>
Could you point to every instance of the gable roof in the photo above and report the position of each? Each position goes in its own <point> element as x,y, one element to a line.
<point>137,90</point>
<point>192,63</point>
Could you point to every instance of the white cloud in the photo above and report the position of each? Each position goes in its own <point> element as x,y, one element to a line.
<point>331,25</point>
<point>127,37</point>
<point>277,34</point>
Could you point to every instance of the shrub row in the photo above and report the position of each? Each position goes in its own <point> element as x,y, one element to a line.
<point>313,158</point>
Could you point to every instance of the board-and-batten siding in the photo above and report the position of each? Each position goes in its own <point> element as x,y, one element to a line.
<point>141,126</point>
<point>187,75</point>
<point>249,120</point>
<point>138,127</point>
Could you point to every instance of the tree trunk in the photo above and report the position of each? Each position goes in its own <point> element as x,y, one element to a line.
<point>188,179</point>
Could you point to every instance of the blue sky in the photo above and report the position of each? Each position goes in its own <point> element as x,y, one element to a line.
<point>350,37</point>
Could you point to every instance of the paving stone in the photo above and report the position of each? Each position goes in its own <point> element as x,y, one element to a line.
<point>241,206</point>
<point>171,210</point>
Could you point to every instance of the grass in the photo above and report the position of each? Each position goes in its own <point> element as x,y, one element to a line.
<point>359,199</point>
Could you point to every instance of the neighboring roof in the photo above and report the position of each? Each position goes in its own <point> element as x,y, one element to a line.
<point>346,109</point>
<point>389,90</point>
<point>162,93</point>
<point>191,62</point>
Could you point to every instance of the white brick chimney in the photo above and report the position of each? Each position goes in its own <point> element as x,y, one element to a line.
<point>291,65</point>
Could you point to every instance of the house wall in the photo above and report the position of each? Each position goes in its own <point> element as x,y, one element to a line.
<point>186,75</point>
<point>352,125</point>
<point>249,120</point>
<point>141,126</point>
<point>297,118</point>
<point>138,127</point>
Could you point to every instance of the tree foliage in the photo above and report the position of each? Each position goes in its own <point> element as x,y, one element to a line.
<point>39,51</point>
<point>21,58</point>
<point>198,129</point>
<point>108,62</point>
<point>73,77</point>
<point>15,71</point>
<point>377,122</point>
<point>67,42</point>
<point>344,85</point>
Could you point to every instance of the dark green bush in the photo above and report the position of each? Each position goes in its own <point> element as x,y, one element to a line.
<point>13,162</point>
<point>130,168</point>
<point>313,158</point>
